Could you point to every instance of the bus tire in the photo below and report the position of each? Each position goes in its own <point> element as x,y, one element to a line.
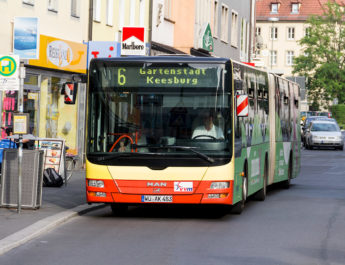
<point>119,209</point>
<point>261,194</point>
<point>238,207</point>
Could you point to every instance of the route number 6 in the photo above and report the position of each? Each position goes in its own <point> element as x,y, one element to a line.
<point>121,78</point>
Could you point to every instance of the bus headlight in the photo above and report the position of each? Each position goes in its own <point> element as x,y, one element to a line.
<point>96,183</point>
<point>219,185</point>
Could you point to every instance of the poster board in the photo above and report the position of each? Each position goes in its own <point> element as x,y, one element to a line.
<point>53,153</point>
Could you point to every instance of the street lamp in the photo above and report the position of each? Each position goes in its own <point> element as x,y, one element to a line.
<point>272,19</point>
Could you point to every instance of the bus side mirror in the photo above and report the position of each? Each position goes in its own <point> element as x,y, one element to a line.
<point>70,92</point>
<point>242,105</point>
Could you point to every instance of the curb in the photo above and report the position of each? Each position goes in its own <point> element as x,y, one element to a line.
<point>45,225</point>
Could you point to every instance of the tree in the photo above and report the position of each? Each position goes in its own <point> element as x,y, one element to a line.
<point>323,61</point>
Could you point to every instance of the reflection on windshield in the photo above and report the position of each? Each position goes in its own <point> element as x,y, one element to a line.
<point>190,120</point>
<point>324,127</point>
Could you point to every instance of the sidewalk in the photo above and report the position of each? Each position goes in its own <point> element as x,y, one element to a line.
<point>58,206</point>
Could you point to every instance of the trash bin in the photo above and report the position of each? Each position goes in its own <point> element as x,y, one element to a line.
<point>32,178</point>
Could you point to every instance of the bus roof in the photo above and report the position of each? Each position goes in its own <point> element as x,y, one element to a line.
<point>165,59</point>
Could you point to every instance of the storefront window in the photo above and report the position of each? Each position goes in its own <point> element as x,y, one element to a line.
<point>31,101</point>
<point>53,107</point>
<point>49,116</point>
<point>9,105</point>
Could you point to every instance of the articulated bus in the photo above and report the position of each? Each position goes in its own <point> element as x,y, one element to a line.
<point>143,115</point>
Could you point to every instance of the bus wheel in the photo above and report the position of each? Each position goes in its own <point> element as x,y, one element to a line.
<point>238,207</point>
<point>118,209</point>
<point>261,194</point>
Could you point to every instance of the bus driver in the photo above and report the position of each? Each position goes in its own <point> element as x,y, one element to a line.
<point>208,129</point>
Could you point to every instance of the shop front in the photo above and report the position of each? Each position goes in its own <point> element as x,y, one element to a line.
<point>60,61</point>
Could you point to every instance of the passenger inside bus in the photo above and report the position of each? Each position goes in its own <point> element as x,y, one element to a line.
<point>208,129</point>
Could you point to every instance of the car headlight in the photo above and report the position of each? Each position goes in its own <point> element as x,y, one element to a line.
<point>219,185</point>
<point>96,183</point>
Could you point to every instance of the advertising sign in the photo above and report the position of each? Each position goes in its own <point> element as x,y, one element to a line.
<point>53,153</point>
<point>21,123</point>
<point>26,37</point>
<point>103,49</point>
<point>133,41</point>
<point>61,54</point>
<point>9,72</point>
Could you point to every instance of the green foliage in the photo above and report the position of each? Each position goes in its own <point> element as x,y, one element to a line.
<point>338,113</point>
<point>323,61</point>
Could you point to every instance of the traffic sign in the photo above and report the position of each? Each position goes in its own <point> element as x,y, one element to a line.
<point>9,73</point>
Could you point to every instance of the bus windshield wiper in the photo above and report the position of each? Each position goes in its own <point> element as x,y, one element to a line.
<point>187,148</point>
<point>111,157</point>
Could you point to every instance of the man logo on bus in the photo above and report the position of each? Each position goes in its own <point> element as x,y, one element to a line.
<point>156,184</point>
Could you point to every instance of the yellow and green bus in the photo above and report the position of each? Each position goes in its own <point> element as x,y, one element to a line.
<point>188,130</point>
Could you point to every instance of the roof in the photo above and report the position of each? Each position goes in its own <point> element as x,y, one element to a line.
<point>162,59</point>
<point>306,9</point>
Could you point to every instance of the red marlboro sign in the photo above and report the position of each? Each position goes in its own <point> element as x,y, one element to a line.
<point>133,41</point>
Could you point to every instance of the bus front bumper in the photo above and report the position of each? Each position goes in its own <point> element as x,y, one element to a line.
<point>189,192</point>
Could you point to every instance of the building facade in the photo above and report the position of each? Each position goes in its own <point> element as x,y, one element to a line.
<point>61,57</point>
<point>279,27</point>
<point>221,28</point>
<point>71,34</point>
<point>232,28</point>
<point>110,16</point>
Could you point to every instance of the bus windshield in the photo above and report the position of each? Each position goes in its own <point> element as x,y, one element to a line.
<point>150,109</point>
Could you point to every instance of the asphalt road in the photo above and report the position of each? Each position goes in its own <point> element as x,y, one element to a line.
<point>302,225</point>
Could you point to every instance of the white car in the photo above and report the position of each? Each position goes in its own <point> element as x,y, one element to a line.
<point>324,133</point>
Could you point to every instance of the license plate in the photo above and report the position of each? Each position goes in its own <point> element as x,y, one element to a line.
<point>156,198</point>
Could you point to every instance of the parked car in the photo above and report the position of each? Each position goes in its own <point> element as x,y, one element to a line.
<point>307,123</point>
<point>324,133</point>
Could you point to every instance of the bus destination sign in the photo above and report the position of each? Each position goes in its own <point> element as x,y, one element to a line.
<point>166,77</point>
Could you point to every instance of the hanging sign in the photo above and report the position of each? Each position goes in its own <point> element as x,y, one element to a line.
<point>26,37</point>
<point>70,92</point>
<point>206,38</point>
<point>133,41</point>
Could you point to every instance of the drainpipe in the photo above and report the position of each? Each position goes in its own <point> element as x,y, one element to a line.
<point>90,20</point>
<point>150,26</point>
<point>252,25</point>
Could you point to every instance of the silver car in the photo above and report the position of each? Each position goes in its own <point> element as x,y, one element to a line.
<point>306,125</point>
<point>324,133</point>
